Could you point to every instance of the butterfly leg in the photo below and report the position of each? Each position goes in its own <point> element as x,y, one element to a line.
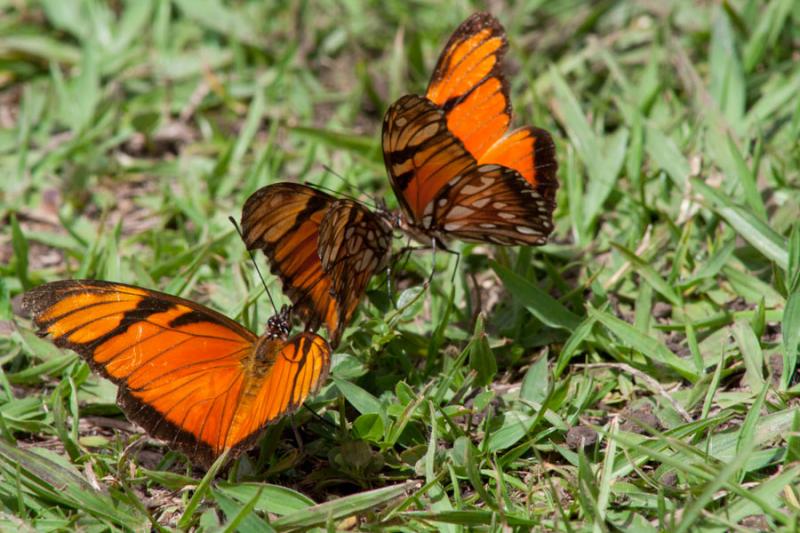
<point>455,269</point>
<point>403,254</point>
<point>433,261</point>
<point>449,251</point>
<point>320,417</point>
<point>407,251</point>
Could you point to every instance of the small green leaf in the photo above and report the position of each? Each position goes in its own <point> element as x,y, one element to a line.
<point>342,507</point>
<point>791,337</point>
<point>369,427</point>
<point>751,353</point>
<point>650,275</point>
<point>543,306</point>
<point>645,344</point>
<point>535,383</point>
<point>754,231</point>
<point>363,401</point>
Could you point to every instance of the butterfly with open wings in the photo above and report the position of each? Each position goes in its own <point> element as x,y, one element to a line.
<point>187,374</point>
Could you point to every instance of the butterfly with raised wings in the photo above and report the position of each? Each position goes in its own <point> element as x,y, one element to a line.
<point>456,169</point>
<point>324,249</point>
<point>188,375</point>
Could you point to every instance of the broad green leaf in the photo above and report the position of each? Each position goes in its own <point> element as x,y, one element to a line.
<point>754,231</point>
<point>543,306</point>
<point>648,346</point>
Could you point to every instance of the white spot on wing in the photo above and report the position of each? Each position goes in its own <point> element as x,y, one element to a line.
<point>460,211</point>
<point>525,230</point>
<point>472,189</point>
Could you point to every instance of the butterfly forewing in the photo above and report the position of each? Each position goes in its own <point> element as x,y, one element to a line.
<point>468,83</point>
<point>421,154</point>
<point>187,374</point>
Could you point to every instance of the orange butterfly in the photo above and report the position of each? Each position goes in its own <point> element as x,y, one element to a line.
<point>324,249</point>
<point>455,168</point>
<point>186,374</point>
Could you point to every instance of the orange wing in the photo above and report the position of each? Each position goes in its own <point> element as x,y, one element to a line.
<point>421,154</point>
<point>187,374</point>
<point>447,194</point>
<point>469,85</point>
<point>295,226</point>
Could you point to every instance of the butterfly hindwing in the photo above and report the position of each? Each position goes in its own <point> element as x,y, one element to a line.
<point>186,373</point>
<point>492,203</point>
<point>353,245</point>
<point>531,152</point>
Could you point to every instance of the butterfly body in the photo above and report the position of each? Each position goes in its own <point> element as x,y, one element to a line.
<point>456,169</point>
<point>187,374</point>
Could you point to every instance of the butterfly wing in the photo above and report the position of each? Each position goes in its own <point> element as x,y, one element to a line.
<point>492,203</point>
<point>280,374</point>
<point>531,152</point>
<point>353,244</point>
<point>420,153</point>
<point>469,85</point>
<point>185,372</point>
<point>283,220</point>
<point>448,193</point>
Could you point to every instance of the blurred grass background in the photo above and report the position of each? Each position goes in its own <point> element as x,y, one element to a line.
<point>638,372</point>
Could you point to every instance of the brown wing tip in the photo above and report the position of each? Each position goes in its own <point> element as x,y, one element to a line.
<point>545,163</point>
<point>544,158</point>
<point>35,301</point>
<point>479,21</point>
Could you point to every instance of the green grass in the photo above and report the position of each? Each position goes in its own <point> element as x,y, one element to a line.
<point>661,324</point>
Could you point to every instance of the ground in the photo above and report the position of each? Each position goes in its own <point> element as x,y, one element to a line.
<point>637,372</point>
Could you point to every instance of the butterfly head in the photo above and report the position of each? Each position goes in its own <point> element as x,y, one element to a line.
<point>278,326</point>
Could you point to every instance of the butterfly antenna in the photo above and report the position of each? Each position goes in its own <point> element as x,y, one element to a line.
<point>255,264</point>
<point>336,175</point>
<point>319,417</point>
<point>346,183</point>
